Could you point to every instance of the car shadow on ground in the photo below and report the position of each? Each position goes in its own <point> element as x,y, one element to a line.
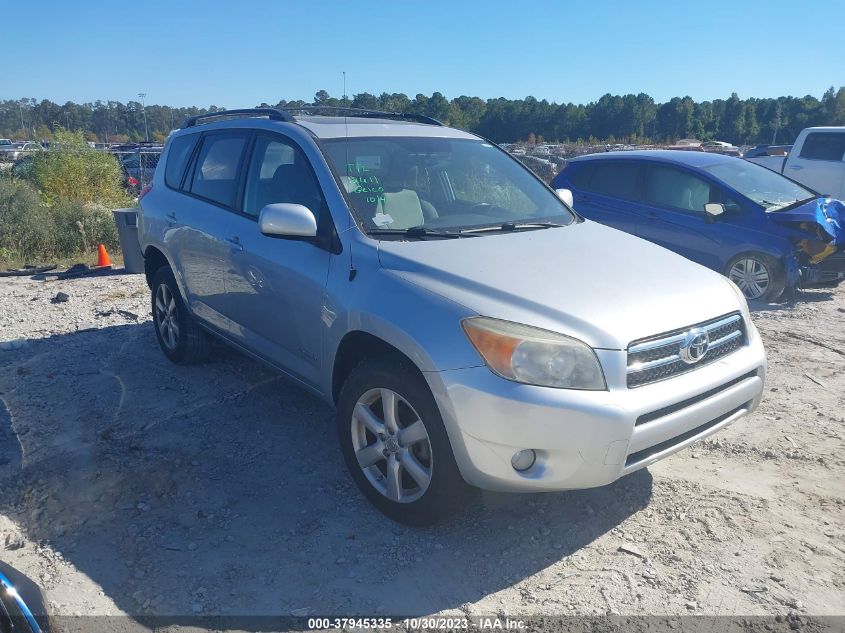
<point>798,296</point>
<point>219,489</point>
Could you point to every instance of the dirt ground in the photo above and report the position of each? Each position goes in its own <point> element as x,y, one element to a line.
<point>130,485</point>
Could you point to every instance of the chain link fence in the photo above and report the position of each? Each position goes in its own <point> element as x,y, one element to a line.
<point>138,165</point>
<point>137,162</point>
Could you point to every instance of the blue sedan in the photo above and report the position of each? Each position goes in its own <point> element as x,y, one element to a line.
<point>765,232</point>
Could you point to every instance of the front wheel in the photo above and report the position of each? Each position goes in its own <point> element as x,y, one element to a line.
<point>760,277</point>
<point>395,444</point>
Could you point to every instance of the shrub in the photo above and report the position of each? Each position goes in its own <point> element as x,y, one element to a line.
<point>32,231</point>
<point>71,171</point>
<point>25,224</point>
<point>79,227</point>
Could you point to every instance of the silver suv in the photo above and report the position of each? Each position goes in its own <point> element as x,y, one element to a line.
<point>470,328</point>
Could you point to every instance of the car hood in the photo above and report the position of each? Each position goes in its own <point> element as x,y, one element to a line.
<point>586,280</point>
<point>827,213</point>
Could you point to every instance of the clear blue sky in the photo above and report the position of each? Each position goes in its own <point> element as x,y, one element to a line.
<point>240,53</point>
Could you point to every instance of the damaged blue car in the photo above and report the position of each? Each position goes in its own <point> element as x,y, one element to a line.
<point>765,232</point>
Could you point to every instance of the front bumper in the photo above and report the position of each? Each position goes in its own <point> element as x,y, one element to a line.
<point>829,270</point>
<point>585,439</point>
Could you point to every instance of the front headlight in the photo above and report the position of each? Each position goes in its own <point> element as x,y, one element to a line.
<point>533,356</point>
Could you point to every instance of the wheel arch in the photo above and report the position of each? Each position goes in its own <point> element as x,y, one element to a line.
<point>155,258</point>
<point>358,346</point>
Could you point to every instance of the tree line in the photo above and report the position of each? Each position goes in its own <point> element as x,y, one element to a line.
<point>612,118</point>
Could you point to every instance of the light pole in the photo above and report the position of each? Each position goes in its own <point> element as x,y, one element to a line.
<point>143,96</point>
<point>20,107</point>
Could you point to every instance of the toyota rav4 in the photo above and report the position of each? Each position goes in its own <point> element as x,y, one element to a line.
<point>468,327</point>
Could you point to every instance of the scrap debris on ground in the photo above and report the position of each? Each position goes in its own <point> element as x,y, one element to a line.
<point>130,485</point>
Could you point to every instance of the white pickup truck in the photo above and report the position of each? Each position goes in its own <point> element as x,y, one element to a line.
<point>816,160</point>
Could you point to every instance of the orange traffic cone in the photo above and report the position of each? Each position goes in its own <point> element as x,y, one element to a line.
<point>103,256</point>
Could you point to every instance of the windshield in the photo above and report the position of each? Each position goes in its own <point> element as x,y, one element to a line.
<point>765,187</point>
<point>398,183</point>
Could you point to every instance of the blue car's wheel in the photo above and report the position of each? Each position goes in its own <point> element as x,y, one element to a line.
<point>759,276</point>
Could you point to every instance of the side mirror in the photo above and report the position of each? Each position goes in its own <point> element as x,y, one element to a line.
<point>713,210</point>
<point>287,220</point>
<point>566,196</point>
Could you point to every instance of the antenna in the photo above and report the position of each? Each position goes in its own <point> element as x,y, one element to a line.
<point>352,271</point>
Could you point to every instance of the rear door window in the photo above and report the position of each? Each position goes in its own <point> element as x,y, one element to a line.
<point>824,146</point>
<point>617,179</point>
<point>215,175</point>
<point>580,175</point>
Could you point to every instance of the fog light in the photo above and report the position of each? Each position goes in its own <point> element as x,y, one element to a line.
<point>523,460</point>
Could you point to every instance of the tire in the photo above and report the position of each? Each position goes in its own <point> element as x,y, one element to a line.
<point>186,343</point>
<point>405,452</point>
<point>748,270</point>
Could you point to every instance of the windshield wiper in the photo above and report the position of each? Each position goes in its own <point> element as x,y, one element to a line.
<point>791,205</point>
<point>512,226</point>
<point>419,232</point>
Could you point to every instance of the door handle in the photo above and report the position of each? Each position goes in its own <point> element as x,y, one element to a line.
<point>235,243</point>
<point>796,167</point>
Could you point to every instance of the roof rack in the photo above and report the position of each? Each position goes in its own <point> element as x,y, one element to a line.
<point>367,113</point>
<point>275,114</point>
<point>272,113</point>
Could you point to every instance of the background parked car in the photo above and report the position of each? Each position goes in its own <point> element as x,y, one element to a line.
<point>765,232</point>
<point>767,150</point>
<point>817,160</point>
<point>15,151</point>
<point>139,165</point>
<point>720,147</point>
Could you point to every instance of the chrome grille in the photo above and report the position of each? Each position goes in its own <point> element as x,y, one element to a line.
<point>659,357</point>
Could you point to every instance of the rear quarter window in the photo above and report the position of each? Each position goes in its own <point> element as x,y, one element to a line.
<point>180,152</point>
<point>824,146</point>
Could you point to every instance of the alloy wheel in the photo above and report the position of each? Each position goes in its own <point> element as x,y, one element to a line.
<point>392,445</point>
<point>752,277</point>
<point>167,316</point>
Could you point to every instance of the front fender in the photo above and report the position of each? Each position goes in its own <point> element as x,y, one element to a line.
<point>421,324</point>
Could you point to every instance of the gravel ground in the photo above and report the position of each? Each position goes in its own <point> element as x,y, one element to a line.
<point>130,485</point>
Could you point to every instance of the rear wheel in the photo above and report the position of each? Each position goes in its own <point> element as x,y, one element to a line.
<point>181,339</point>
<point>760,277</point>
<point>395,444</point>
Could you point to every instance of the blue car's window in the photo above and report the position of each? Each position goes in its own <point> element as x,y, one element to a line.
<point>579,175</point>
<point>677,189</point>
<point>765,187</point>
<point>618,179</point>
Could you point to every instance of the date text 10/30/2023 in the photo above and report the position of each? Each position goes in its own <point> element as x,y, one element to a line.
<point>433,623</point>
